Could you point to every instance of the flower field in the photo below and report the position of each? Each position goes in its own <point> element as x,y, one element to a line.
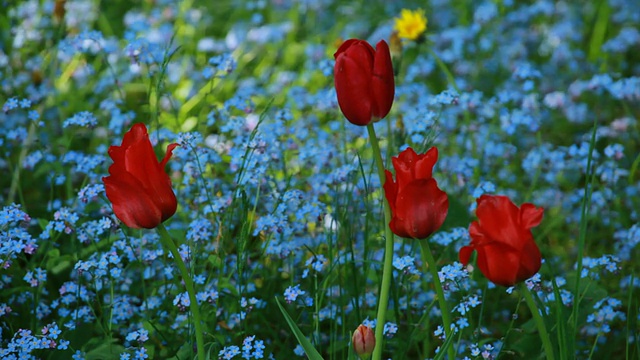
<point>281,179</point>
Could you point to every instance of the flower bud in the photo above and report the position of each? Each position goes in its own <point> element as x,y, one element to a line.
<point>363,341</point>
<point>363,77</point>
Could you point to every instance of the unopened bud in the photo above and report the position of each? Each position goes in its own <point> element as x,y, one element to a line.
<point>364,340</point>
<point>59,9</point>
<point>395,48</point>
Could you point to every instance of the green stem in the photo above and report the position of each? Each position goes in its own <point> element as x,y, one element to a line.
<point>537,318</point>
<point>451,80</point>
<point>15,181</point>
<point>584,220</point>
<point>383,300</point>
<point>167,243</point>
<point>509,329</point>
<point>430,262</point>
<point>443,67</point>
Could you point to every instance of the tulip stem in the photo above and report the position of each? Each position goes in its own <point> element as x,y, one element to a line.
<point>430,263</point>
<point>167,243</point>
<point>537,318</point>
<point>387,269</point>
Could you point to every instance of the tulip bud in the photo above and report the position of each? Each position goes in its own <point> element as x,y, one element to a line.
<point>363,341</point>
<point>363,77</point>
<point>59,9</point>
<point>395,48</point>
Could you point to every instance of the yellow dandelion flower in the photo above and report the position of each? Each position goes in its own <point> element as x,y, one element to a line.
<point>411,24</point>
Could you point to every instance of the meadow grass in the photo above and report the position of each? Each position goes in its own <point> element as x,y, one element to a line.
<point>280,206</point>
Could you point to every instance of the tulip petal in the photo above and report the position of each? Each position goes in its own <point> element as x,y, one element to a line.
<point>530,261</point>
<point>345,45</point>
<point>167,155</point>
<point>137,133</point>
<point>499,263</point>
<point>476,234</point>
<point>530,215</point>
<point>141,162</point>
<point>421,208</point>
<point>404,164</point>
<point>465,254</point>
<point>425,163</point>
<point>382,82</point>
<point>408,156</point>
<point>353,90</point>
<point>500,220</point>
<point>130,202</point>
<point>362,55</point>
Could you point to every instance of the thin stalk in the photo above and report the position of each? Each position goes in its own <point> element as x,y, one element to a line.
<point>506,336</point>
<point>584,220</point>
<point>443,67</point>
<point>430,262</point>
<point>167,243</point>
<point>383,300</point>
<point>15,180</point>
<point>563,352</point>
<point>595,342</point>
<point>629,332</point>
<point>537,318</point>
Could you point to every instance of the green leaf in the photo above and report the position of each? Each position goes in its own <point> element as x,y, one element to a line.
<point>185,352</point>
<point>104,349</point>
<point>311,351</point>
<point>215,261</point>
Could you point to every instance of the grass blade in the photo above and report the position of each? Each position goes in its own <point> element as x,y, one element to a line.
<point>311,351</point>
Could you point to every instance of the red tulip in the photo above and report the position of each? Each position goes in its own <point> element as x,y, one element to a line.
<point>137,185</point>
<point>364,80</point>
<point>363,341</point>
<point>418,206</point>
<point>507,253</point>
